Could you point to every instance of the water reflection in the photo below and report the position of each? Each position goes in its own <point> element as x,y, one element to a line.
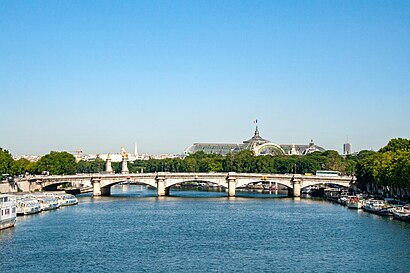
<point>132,190</point>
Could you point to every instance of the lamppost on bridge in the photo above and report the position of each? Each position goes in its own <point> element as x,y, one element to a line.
<point>294,168</point>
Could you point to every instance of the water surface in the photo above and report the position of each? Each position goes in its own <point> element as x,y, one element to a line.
<point>190,231</point>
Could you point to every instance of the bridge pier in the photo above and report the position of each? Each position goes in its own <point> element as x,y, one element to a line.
<point>231,185</point>
<point>96,187</point>
<point>98,190</point>
<point>161,189</point>
<point>296,187</point>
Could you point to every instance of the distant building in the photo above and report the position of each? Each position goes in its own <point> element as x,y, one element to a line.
<point>347,149</point>
<point>31,158</point>
<point>116,157</point>
<point>256,144</point>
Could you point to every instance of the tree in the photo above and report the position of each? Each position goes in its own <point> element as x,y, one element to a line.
<point>22,166</point>
<point>396,144</point>
<point>57,163</point>
<point>284,164</point>
<point>390,166</point>
<point>401,169</point>
<point>334,161</point>
<point>95,166</point>
<point>6,162</point>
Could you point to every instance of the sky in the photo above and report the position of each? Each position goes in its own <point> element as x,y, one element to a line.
<point>96,75</point>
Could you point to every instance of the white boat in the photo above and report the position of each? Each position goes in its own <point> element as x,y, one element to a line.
<point>27,205</point>
<point>47,202</point>
<point>401,213</point>
<point>354,202</point>
<point>343,198</point>
<point>8,211</point>
<point>377,207</point>
<point>307,190</point>
<point>66,199</point>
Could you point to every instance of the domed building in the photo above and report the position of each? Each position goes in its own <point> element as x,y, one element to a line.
<point>262,146</point>
<point>257,144</point>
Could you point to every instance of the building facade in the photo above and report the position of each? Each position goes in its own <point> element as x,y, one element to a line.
<point>256,144</point>
<point>347,149</point>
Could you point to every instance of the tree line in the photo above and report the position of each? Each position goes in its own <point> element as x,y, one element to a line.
<point>52,163</point>
<point>246,162</point>
<point>390,166</point>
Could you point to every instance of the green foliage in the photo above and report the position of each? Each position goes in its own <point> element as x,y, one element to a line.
<point>6,162</point>
<point>396,144</point>
<point>116,167</point>
<point>244,162</point>
<point>22,166</point>
<point>362,155</point>
<point>57,163</point>
<point>94,166</point>
<point>390,166</point>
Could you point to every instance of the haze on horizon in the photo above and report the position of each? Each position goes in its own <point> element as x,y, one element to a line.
<point>96,75</point>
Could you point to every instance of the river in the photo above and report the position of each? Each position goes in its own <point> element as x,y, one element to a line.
<point>191,231</point>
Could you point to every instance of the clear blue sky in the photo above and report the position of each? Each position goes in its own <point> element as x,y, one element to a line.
<point>99,74</point>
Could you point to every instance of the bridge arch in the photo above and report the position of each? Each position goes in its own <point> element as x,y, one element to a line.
<point>269,149</point>
<point>314,183</point>
<point>53,186</point>
<point>172,181</point>
<point>244,182</point>
<point>186,181</point>
<point>112,182</point>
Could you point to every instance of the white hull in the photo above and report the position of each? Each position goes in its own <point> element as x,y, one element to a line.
<point>48,203</point>
<point>401,214</point>
<point>7,223</point>
<point>27,211</point>
<point>377,207</point>
<point>67,200</point>
<point>354,202</point>
<point>7,211</point>
<point>27,206</point>
<point>354,205</point>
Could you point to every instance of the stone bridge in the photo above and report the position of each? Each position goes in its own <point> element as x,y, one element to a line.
<point>102,183</point>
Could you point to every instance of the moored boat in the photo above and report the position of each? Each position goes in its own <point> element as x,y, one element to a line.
<point>67,199</point>
<point>47,202</point>
<point>64,199</point>
<point>354,202</point>
<point>27,205</point>
<point>401,213</point>
<point>7,211</point>
<point>378,207</point>
<point>343,198</point>
<point>332,194</point>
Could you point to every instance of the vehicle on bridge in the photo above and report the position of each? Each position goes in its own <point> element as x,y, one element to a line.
<point>328,173</point>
